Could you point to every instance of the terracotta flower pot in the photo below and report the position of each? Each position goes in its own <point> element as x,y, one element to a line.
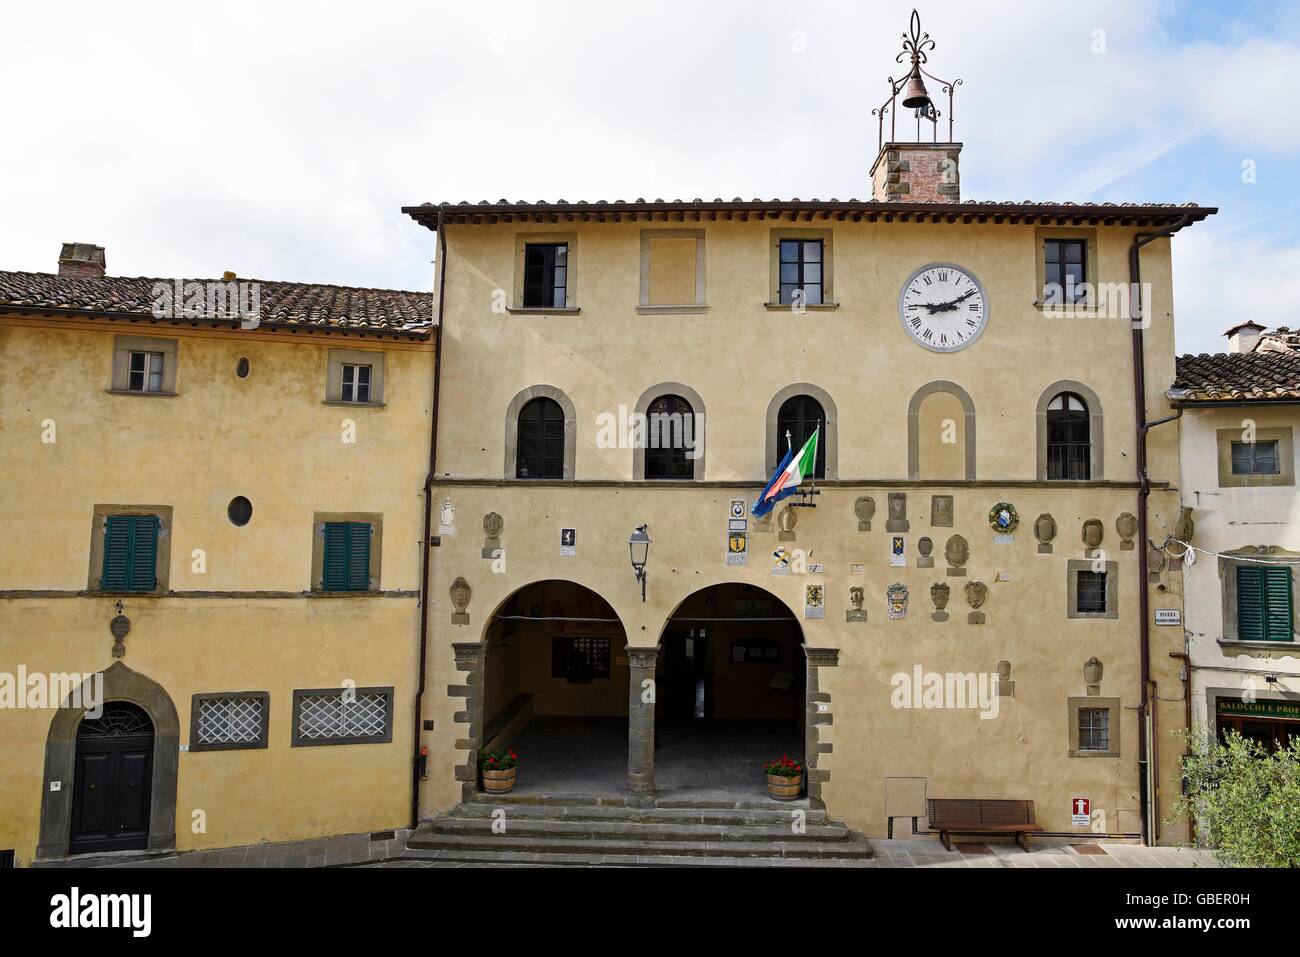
<point>499,782</point>
<point>782,788</point>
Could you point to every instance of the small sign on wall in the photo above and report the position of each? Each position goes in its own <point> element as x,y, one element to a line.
<point>1169,616</point>
<point>737,548</point>
<point>897,552</point>
<point>568,542</point>
<point>1080,812</point>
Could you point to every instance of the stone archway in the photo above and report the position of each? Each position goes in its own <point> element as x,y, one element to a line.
<point>120,684</point>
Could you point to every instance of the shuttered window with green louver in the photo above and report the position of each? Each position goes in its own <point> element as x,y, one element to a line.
<point>130,553</point>
<point>346,565</point>
<point>1264,603</point>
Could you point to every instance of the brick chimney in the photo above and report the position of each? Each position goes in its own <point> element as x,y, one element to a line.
<point>1243,336</point>
<point>916,173</point>
<point>82,261</point>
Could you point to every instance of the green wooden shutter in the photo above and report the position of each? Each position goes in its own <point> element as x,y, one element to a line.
<point>1277,604</point>
<point>130,553</point>
<point>359,557</point>
<point>1264,603</point>
<point>117,553</point>
<point>346,565</point>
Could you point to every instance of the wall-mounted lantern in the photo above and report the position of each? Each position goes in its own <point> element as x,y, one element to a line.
<point>638,547</point>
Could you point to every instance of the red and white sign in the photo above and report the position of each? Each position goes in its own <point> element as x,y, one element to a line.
<point>1080,812</point>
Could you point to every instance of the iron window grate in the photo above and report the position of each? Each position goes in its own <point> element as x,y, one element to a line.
<point>1091,593</point>
<point>1094,729</point>
<point>579,659</point>
<point>231,720</point>
<point>342,716</point>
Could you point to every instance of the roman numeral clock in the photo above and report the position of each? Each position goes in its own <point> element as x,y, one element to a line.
<point>943,307</point>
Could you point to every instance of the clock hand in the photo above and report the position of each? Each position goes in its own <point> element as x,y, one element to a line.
<point>949,306</point>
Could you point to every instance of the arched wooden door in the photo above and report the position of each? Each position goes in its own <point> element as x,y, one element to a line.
<point>113,781</point>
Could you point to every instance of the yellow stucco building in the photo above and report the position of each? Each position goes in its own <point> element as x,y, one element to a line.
<point>215,522</point>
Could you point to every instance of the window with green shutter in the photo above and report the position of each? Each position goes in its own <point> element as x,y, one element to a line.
<point>1264,603</point>
<point>130,553</point>
<point>346,565</point>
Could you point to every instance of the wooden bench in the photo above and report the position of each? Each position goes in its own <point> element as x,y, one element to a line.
<point>951,816</point>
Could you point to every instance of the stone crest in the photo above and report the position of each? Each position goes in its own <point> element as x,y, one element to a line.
<point>976,593</point>
<point>1092,675</point>
<point>460,596</point>
<point>896,600</point>
<point>1044,531</point>
<point>447,518</point>
<point>939,593</point>
<point>926,547</point>
<point>492,526</point>
<point>1006,687</point>
<point>1093,533</point>
<point>941,511</point>
<point>786,521</point>
<point>956,552</point>
<point>1156,562</point>
<point>897,513</point>
<point>119,628</point>
<point>814,601</point>
<point>1126,525</point>
<point>856,598</point>
<point>864,508</point>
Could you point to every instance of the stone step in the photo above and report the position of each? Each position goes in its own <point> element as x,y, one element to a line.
<point>772,816</point>
<point>638,830</point>
<point>426,839</point>
<point>665,801</point>
<point>500,858</point>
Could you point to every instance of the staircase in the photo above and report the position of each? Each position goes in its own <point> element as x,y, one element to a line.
<point>590,830</point>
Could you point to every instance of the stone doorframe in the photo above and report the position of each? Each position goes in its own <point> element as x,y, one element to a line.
<point>816,659</point>
<point>120,684</point>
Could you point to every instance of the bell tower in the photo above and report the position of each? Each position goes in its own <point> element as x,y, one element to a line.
<point>915,171</point>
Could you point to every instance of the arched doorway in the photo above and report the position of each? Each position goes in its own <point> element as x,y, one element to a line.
<point>731,695</point>
<point>147,773</point>
<point>555,690</point>
<point>112,781</point>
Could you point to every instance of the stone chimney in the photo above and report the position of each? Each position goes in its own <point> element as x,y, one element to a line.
<point>1243,336</point>
<point>916,173</point>
<point>82,261</point>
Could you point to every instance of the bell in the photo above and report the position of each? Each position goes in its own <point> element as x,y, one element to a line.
<point>916,97</point>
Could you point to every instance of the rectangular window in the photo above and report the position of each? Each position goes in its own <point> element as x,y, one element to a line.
<point>346,556</point>
<point>801,271</point>
<point>579,659</point>
<point>229,721</point>
<point>1264,603</point>
<point>130,553</point>
<point>1255,458</point>
<point>1094,729</point>
<point>1091,592</point>
<point>145,372</point>
<point>342,716</point>
<point>546,268</point>
<point>356,383</point>
<point>1063,270</point>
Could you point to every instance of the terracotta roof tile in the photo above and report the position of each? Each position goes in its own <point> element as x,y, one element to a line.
<point>1237,377</point>
<point>289,304</point>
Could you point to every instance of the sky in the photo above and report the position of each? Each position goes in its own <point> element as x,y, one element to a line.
<point>280,140</point>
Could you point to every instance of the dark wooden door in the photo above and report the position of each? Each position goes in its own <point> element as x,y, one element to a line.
<point>113,781</point>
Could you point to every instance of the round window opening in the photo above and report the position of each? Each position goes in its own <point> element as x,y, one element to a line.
<point>240,510</point>
<point>241,368</point>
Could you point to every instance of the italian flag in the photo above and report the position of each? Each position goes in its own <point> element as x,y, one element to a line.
<point>794,468</point>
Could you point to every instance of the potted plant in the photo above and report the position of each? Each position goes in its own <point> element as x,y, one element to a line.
<point>497,769</point>
<point>784,779</point>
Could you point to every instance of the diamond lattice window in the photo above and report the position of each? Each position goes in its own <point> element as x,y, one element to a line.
<point>342,717</point>
<point>231,720</point>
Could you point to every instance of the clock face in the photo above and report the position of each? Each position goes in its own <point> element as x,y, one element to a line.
<point>943,307</point>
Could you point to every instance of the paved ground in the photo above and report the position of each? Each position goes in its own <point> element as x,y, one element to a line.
<point>359,849</point>
<point>711,761</point>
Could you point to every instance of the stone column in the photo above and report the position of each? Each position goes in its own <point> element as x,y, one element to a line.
<point>641,726</point>
<point>469,659</point>
<point>817,659</point>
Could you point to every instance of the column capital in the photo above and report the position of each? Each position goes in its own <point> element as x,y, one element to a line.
<point>642,656</point>
<point>821,657</point>
<point>469,654</point>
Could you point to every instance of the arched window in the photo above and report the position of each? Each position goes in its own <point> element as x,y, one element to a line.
<point>800,415</point>
<point>1069,440</point>
<point>539,451</point>
<point>670,439</point>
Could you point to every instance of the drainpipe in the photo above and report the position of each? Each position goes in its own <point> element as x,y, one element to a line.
<point>426,546</point>
<point>1187,714</point>
<point>1144,492</point>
